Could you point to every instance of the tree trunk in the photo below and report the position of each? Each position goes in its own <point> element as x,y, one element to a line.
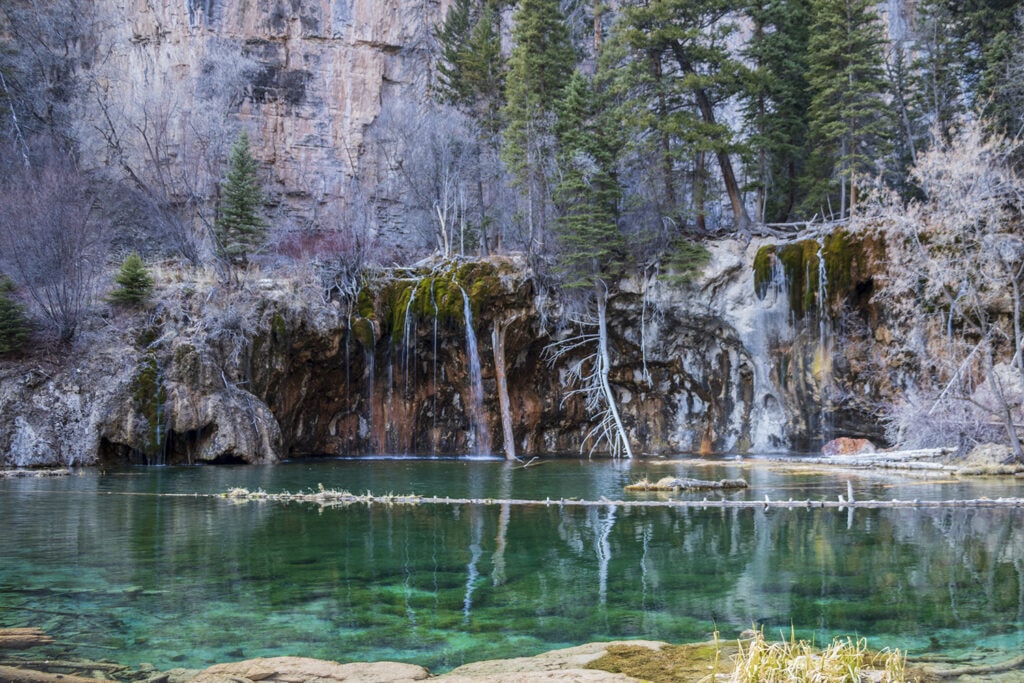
<point>1004,408</point>
<point>700,186</point>
<point>605,366</point>
<point>498,343</point>
<point>741,220</point>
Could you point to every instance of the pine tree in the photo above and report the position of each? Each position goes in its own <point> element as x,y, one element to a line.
<point>849,117</point>
<point>13,323</point>
<point>939,70</point>
<point>679,69</point>
<point>777,102</point>
<point>240,228</point>
<point>136,284</point>
<point>453,38</point>
<point>541,63</point>
<point>588,193</point>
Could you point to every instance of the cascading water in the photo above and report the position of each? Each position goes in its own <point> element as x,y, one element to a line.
<point>371,422</point>
<point>477,417</point>
<point>433,389</point>
<point>772,327</point>
<point>823,353</point>
<point>408,347</point>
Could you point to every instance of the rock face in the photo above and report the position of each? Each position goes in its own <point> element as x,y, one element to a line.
<point>306,77</point>
<point>741,359</point>
<point>272,370</point>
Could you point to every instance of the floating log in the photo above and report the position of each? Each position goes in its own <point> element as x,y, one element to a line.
<point>22,638</point>
<point>686,484</point>
<point>332,498</point>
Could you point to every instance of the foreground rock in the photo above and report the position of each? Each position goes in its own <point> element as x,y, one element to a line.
<point>300,669</point>
<point>558,665</point>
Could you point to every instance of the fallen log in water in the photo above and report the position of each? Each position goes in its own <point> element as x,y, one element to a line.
<point>22,638</point>
<point>686,484</point>
<point>334,498</point>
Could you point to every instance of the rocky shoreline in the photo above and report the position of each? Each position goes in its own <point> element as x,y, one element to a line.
<point>604,662</point>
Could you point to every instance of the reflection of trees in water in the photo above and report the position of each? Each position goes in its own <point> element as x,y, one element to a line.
<point>900,571</point>
<point>984,550</point>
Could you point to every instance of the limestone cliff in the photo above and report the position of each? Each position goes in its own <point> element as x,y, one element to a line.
<point>305,77</point>
<point>273,370</point>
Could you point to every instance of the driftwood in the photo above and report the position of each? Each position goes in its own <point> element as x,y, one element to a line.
<point>686,484</point>
<point>21,473</point>
<point>22,638</point>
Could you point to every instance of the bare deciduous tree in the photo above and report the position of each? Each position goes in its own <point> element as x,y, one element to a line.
<point>439,170</point>
<point>168,135</point>
<point>958,276</point>
<point>51,239</point>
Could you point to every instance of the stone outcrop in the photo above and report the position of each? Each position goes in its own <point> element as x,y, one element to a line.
<point>271,370</point>
<point>306,78</point>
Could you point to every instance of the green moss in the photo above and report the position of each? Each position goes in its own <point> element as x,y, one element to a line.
<point>670,663</point>
<point>364,306</point>
<point>278,327</point>
<point>843,257</point>
<point>362,330</point>
<point>764,266</point>
<point>149,397</point>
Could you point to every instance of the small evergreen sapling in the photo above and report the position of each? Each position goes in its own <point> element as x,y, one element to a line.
<point>13,323</point>
<point>136,284</point>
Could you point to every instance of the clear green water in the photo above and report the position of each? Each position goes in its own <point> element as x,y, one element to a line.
<point>115,572</point>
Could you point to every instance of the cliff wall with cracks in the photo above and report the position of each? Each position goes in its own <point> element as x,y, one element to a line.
<point>305,77</point>
<point>273,370</point>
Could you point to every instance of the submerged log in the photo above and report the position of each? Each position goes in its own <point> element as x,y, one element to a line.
<point>22,638</point>
<point>686,484</point>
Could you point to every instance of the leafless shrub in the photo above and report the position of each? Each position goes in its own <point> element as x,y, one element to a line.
<point>51,238</point>
<point>958,271</point>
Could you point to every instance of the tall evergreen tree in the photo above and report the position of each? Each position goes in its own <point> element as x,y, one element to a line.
<point>777,102</point>
<point>684,45</point>
<point>588,192</point>
<point>540,65</point>
<point>471,68</point>
<point>849,116</point>
<point>239,227</point>
<point>939,70</point>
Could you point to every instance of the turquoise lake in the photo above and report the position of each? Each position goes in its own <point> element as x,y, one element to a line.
<point>114,567</point>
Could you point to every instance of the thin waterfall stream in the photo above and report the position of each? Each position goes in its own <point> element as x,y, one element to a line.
<point>477,414</point>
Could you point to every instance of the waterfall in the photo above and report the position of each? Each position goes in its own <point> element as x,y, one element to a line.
<point>159,428</point>
<point>370,386</point>
<point>433,389</point>
<point>772,325</point>
<point>477,417</point>
<point>408,348</point>
<point>823,353</point>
